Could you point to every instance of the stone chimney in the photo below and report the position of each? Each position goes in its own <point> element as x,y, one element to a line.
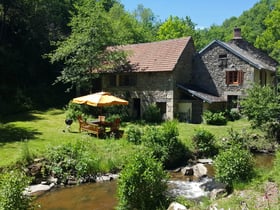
<point>237,33</point>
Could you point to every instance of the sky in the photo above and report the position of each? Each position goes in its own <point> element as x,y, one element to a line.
<point>203,13</point>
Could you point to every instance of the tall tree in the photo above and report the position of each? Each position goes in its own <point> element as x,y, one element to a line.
<point>269,40</point>
<point>84,50</point>
<point>175,27</point>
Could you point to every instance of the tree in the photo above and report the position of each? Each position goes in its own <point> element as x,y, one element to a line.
<point>84,51</point>
<point>175,27</point>
<point>142,184</point>
<point>127,29</point>
<point>269,40</point>
<point>262,107</point>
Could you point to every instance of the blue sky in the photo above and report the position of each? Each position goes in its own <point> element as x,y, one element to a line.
<point>203,13</point>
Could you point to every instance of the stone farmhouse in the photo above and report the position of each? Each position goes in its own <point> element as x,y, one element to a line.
<point>182,82</point>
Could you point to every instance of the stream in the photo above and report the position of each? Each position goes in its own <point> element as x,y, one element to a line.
<point>102,196</point>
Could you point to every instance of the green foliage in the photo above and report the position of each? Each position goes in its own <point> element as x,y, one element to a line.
<point>121,112</point>
<point>164,143</point>
<point>233,115</point>
<point>204,142</point>
<point>142,184</point>
<point>269,39</point>
<point>74,110</point>
<point>152,114</point>
<point>272,129</point>
<point>84,50</point>
<point>276,168</point>
<point>233,165</point>
<point>26,156</point>
<point>133,134</point>
<point>262,108</point>
<point>12,185</point>
<point>71,160</point>
<point>175,27</point>
<point>214,118</point>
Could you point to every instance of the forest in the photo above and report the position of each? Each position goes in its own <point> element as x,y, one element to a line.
<point>48,47</point>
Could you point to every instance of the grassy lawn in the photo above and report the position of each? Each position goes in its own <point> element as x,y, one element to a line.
<point>41,130</point>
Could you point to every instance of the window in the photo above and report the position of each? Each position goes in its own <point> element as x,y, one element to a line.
<point>112,80</point>
<point>234,77</point>
<point>232,101</point>
<point>223,60</point>
<point>127,80</point>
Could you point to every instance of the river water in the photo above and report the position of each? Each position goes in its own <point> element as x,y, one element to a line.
<point>102,196</point>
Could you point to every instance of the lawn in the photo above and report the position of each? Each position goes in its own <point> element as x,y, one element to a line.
<point>41,130</point>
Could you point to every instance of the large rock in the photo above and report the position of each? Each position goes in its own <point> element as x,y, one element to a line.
<point>176,206</point>
<point>187,171</point>
<point>38,189</point>
<point>199,170</point>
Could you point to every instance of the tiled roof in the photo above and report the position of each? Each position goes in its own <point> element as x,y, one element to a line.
<point>201,94</point>
<point>155,56</point>
<point>246,52</point>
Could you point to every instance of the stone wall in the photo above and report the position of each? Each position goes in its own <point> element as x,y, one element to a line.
<point>211,76</point>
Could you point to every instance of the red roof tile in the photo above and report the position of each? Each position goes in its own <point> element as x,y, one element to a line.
<point>155,56</point>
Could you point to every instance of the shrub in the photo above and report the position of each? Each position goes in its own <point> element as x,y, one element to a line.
<point>133,134</point>
<point>164,143</point>
<point>233,115</point>
<point>74,110</point>
<point>121,111</point>
<point>142,184</point>
<point>272,129</point>
<point>204,142</point>
<point>233,165</point>
<point>71,160</point>
<point>214,118</point>
<point>12,185</point>
<point>152,114</point>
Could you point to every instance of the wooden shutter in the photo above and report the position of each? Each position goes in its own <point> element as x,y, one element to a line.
<point>227,77</point>
<point>240,76</point>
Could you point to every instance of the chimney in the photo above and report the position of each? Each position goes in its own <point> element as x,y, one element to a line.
<point>237,33</point>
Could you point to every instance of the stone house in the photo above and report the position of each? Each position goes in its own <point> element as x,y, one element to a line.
<point>222,72</point>
<point>155,70</point>
<point>182,82</point>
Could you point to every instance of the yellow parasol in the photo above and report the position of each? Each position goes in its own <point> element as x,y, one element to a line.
<point>100,99</point>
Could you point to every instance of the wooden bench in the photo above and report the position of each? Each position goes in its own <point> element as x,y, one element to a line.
<point>91,128</point>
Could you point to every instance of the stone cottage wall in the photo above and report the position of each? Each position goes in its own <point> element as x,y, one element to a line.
<point>214,79</point>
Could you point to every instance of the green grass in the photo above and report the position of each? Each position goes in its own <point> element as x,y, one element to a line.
<point>41,130</point>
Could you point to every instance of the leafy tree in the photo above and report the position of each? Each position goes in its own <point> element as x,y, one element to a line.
<point>84,51</point>
<point>269,40</point>
<point>142,184</point>
<point>127,29</point>
<point>175,27</point>
<point>261,105</point>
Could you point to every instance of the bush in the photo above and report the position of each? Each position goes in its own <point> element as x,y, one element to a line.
<point>133,134</point>
<point>272,129</point>
<point>152,114</point>
<point>164,143</point>
<point>233,165</point>
<point>233,115</point>
<point>142,184</point>
<point>74,110</point>
<point>214,118</point>
<point>71,160</point>
<point>12,185</point>
<point>204,142</point>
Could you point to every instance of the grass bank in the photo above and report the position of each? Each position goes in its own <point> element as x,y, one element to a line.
<point>40,130</point>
